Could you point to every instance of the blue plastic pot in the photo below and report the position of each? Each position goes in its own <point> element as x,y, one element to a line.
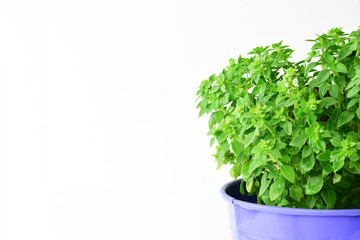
<point>252,221</point>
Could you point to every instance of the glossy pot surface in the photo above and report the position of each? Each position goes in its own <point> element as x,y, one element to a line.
<point>252,221</point>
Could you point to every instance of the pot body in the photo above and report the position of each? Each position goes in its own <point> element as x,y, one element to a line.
<point>252,221</point>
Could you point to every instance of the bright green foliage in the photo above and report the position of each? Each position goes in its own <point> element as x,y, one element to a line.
<point>291,130</point>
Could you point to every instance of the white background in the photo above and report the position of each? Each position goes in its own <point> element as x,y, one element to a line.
<point>100,136</point>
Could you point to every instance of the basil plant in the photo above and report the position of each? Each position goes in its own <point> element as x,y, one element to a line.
<point>290,129</point>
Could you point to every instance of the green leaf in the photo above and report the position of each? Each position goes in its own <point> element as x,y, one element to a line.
<point>264,184</point>
<point>358,113</point>
<point>334,91</point>
<point>290,102</point>
<point>245,171</point>
<point>310,67</point>
<point>242,190</point>
<point>345,117</point>
<point>277,188</point>
<point>257,162</point>
<point>354,157</point>
<point>340,68</point>
<point>222,137</point>
<point>235,171</point>
<point>344,52</point>
<point>275,153</point>
<point>299,140</point>
<point>327,101</point>
<point>324,156</point>
<point>212,141</point>
<point>320,144</point>
<point>337,178</point>
<point>288,127</point>
<point>307,150</point>
<point>353,92</point>
<point>336,142</point>
<point>340,82</point>
<point>321,77</point>
<point>323,89</point>
<point>223,88</point>
<point>249,184</point>
<point>202,111</point>
<point>311,200</point>
<point>215,89</point>
<point>236,147</point>
<point>353,82</point>
<point>288,172</point>
<point>352,103</point>
<point>221,157</point>
<point>219,116</point>
<point>314,185</point>
<point>338,163</point>
<point>296,192</point>
<point>311,119</point>
<point>329,197</point>
<point>249,139</point>
<point>306,164</point>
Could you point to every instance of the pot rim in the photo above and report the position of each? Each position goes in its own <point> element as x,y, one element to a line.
<point>284,210</point>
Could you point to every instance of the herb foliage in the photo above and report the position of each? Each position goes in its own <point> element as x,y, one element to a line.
<point>290,130</point>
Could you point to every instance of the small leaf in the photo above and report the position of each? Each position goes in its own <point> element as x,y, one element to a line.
<point>235,171</point>
<point>264,184</point>
<point>245,170</point>
<point>307,150</point>
<point>338,163</point>
<point>311,200</point>
<point>327,101</point>
<point>290,102</point>
<point>334,91</point>
<point>296,192</point>
<point>236,147</point>
<point>299,140</point>
<point>352,103</point>
<point>345,117</point>
<point>311,119</point>
<point>314,185</point>
<point>249,184</point>
<point>344,52</point>
<point>242,190</point>
<point>324,156</point>
<point>274,153</point>
<point>277,189</point>
<point>257,162</point>
<point>310,67</point>
<point>340,82</point>
<point>223,88</point>
<point>202,111</point>
<point>321,77</point>
<point>358,113</point>
<point>219,116</point>
<point>221,157</point>
<point>222,137</point>
<point>288,172</point>
<point>306,164</point>
<point>337,178</point>
<point>249,139</point>
<point>336,142</point>
<point>353,92</point>
<point>329,197</point>
<point>215,88</point>
<point>323,89</point>
<point>354,157</point>
<point>212,141</point>
<point>288,127</point>
<point>340,68</point>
